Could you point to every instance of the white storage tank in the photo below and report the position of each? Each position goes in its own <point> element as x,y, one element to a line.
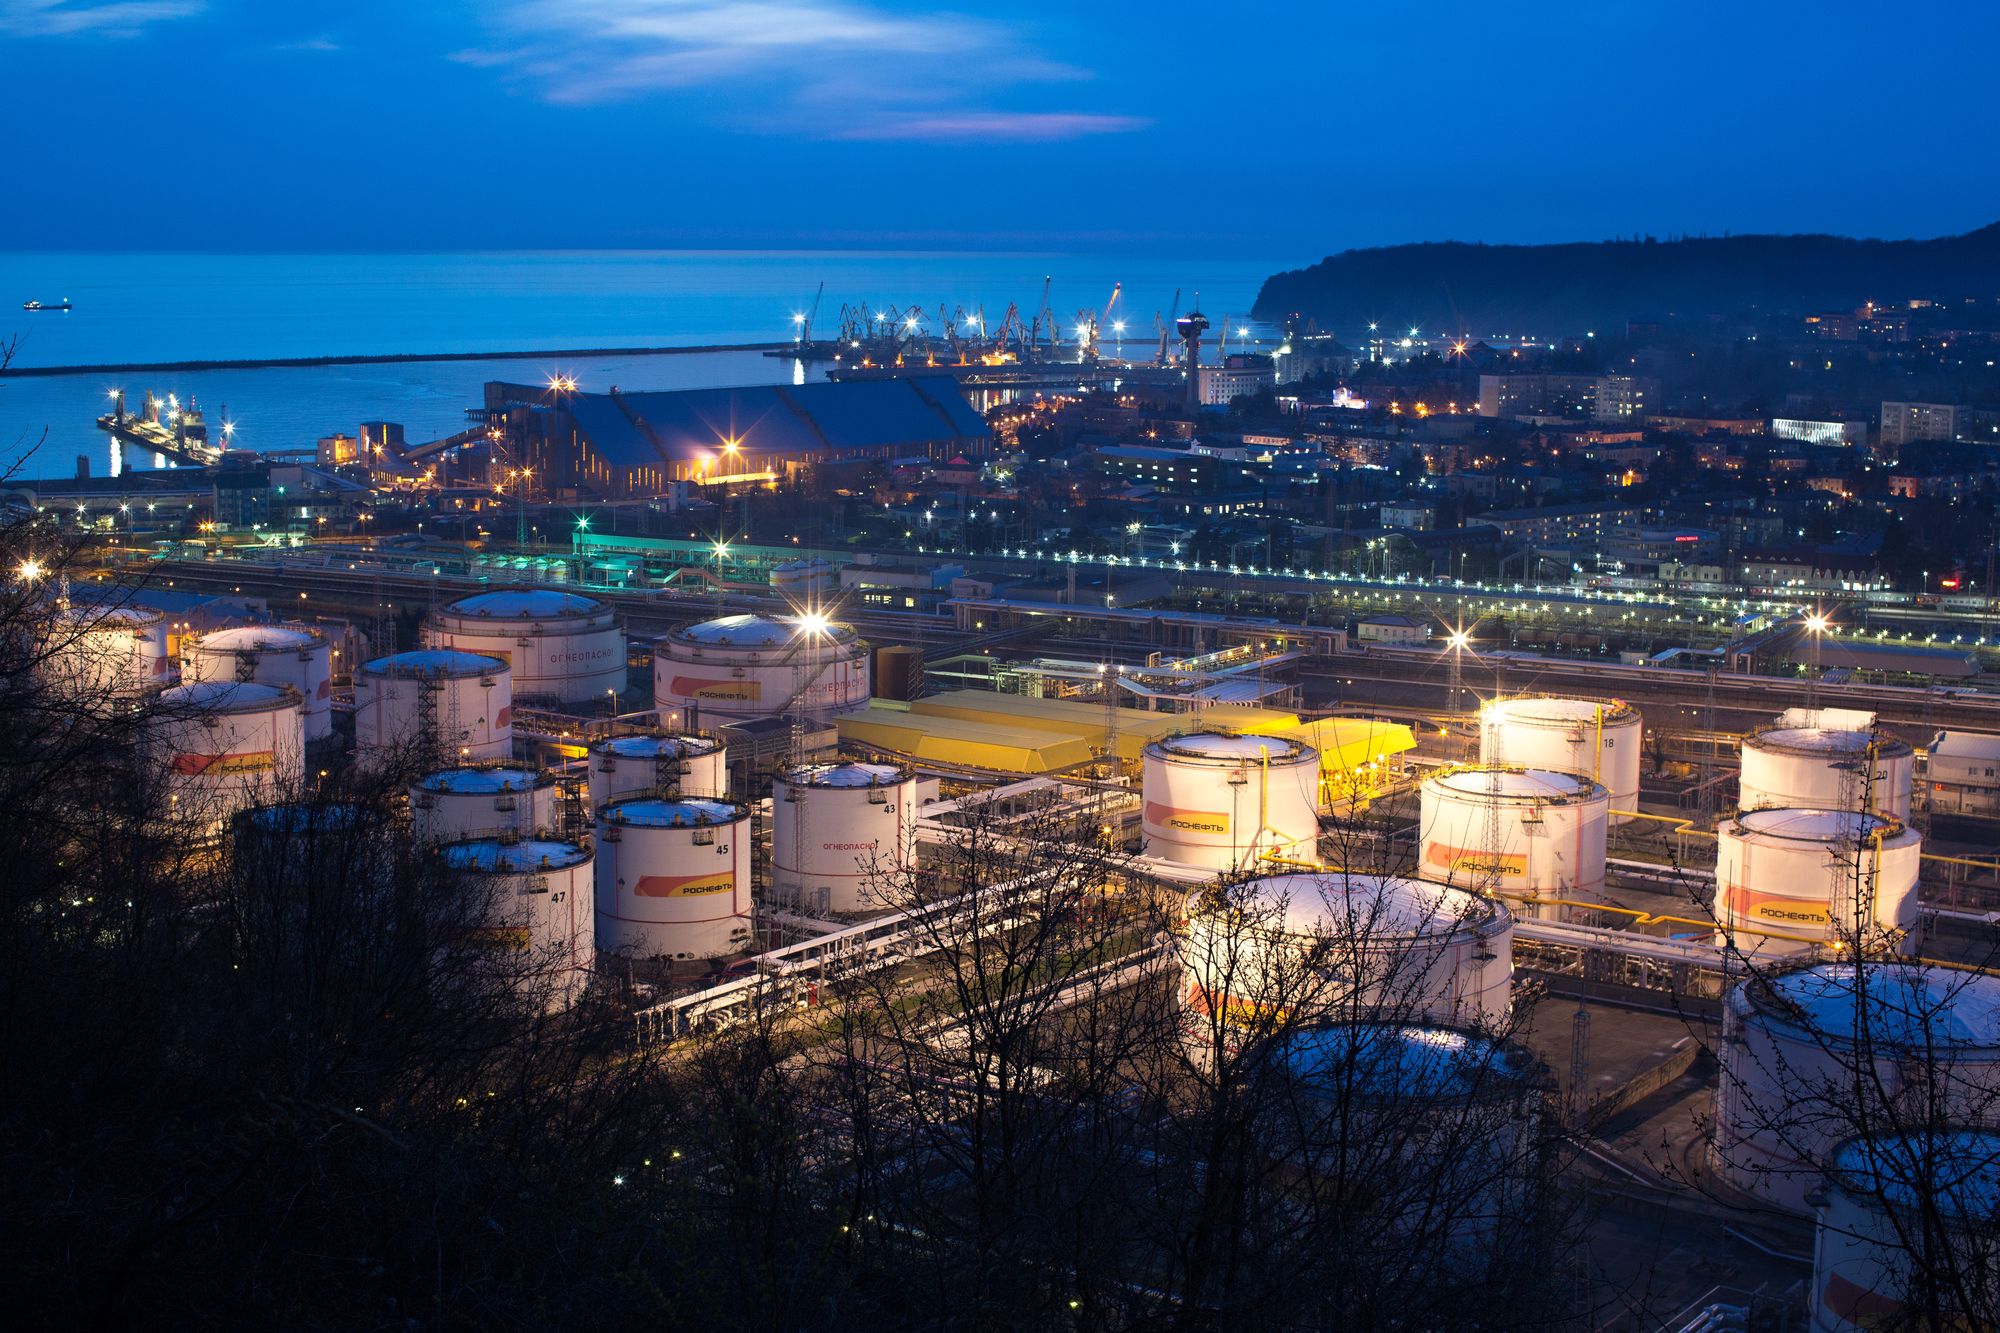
<point>804,581</point>
<point>1908,1232</point>
<point>1809,1056</point>
<point>1820,769</point>
<point>1339,942</point>
<point>105,652</point>
<point>434,703</point>
<point>1600,739</point>
<point>835,828</point>
<point>663,763</point>
<point>1438,1124</point>
<point>561,646</point>
<point>533,900</point>
<point>270,655</point>
<point>1226,802</point>
<point>224,746</point>
<point>1524,831</point>
<point>747,666</point>
<point>482,801</point>
<point>673,878</point>
<point>1803,876</point>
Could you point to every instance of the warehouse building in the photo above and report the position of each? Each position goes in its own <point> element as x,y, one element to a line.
<point>693,441</point>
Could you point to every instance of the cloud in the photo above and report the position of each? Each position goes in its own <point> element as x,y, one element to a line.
<point>113,18</point>
<point>789,65</point>
<point>309,44</point>
<point>1019,126</point>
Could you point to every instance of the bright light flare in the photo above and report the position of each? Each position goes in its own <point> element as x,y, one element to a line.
<point>1459,639</point>
<point>814,624</point>
<point>31,570</point>
<point>1817,623</point>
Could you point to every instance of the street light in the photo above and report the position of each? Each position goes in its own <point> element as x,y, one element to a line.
<point>31,570</point>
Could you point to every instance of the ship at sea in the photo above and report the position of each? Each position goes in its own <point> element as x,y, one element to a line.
<point>46,305</point>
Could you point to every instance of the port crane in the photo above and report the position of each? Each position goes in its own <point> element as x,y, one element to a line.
<point>805,321</point>
<point>1090,325</point>
<point>1165,328</point>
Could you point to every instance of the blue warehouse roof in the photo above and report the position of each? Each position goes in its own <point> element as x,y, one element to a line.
<point>648,429</point>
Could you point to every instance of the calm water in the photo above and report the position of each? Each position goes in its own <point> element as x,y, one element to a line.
<point>136,308</point>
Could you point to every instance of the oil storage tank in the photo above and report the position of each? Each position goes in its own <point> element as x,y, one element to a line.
<point>1908,1224</point>
<point>1808,1056</point>
<point>435,703</point>
<point>270,655</point>
<point>93,652</point>
<point>1225,802</point>
<point>1819,768</point>
<point>1598,738</point>
<point>1795,878</point>
<point>482,801</point>
<point>560,646</point>
<point>531,899</point>
<point>747,666</point>
<point>673,878</point>
<point>663,763</point>
<point>1346,943</point>
<point>837,830</point>
<point>1524,831</point>
<point>224,746</point>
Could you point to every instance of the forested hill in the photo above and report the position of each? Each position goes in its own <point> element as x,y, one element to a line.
<point>1453,286</point>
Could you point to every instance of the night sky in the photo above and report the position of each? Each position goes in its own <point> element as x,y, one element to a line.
<point>1276,129</point>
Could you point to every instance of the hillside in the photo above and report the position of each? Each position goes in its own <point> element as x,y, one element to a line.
<point>1568,288</point>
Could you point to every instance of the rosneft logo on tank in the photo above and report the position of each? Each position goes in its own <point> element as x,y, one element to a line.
<point>505,717</point>
<point>1746,904</point>
<point>684,886</point>
<point>691,687</point>
<point>325,690</point>
<point>220,765</point>
<point>1186,821</point>
<point>1471,861</point>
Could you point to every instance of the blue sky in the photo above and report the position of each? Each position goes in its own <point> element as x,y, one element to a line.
<point>1281,130</point>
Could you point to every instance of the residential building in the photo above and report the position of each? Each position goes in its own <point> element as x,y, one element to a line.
<point>1568,525</point>
<point>1921,423</point>
<point>1236,376</point>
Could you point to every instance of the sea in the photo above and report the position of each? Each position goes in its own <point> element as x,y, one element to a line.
<point>134,308</point>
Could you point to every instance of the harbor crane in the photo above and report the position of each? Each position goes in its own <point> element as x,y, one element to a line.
<point>1166,328</point>
<point>805,321</point>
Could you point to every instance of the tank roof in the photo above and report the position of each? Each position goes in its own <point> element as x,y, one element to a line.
<point>1955,1170</point>
<point>226,696</point>
<point>1229,745</point>
<point>1908,1005</point>
<point>1550,708</point>
<point>1517,784</point>
<point>494,857</point>
<point>845,775</point>
<point>434,662</point>
<point>122,616</point>
<point>652,812</point>
<point>259,638</point>
<point>1396,1060</point>
<point>1384,907</point>
<point>1823,740</point>
<point>525,604</point>
<point>748,631</point>
<point>656,746</point>
<point>303,817</point>
<point>1817,825</point>
<point>482,781</point>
